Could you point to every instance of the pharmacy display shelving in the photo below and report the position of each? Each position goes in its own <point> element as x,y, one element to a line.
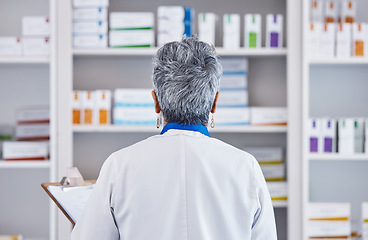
<point>25,60</point>
<point>24,164</point>
<point>346,61</point>
<point>339,157</point>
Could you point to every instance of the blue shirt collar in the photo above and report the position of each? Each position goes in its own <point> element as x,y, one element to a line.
<point>197,128</point>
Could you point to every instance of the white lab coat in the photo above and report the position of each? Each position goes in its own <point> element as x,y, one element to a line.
<point>181,185</point>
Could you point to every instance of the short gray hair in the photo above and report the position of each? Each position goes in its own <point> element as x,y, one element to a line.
<point>186,78</point>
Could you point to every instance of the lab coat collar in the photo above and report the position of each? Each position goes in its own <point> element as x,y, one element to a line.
<point>197,128</point>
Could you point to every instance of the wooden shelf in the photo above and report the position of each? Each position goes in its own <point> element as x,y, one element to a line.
<point>24,164</point>
<point>24,60</point>
<point>338,157</point>
<point>153,129</point>
<point>151,51</point>
<point>279,204</point>
<point>338,61</point>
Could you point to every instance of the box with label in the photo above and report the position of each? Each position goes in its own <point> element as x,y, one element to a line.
<point>87,106</point>
<point>231,116</point>
<point>273,172</point>
<point>274,30</point>
<point>6,134</point>
<point>103,107</point>
<point>359,135</point>
<point>96,13</point>
<point>133,97</point>
<point>13,151</point>
<point>233,98</point>
<point>231,31</point>
<point>131,20</point>
<point>35,26</point>
<point>278,191</point>
<point>132,38</point>
<point>316,11</point>
<point>314,39</point>
<point>76,107</point>
<point>331,11</point>
<point>266,155</point>
<point>90,26</point>
<point>268,116</point>
<point>31,132</point>
<point>252,31</point>
<point>359,39</point>
<point>364,220</point>
<point>348,11</point>
<point>134,116</point>
<point>10,46</point>
<point>328,132</point>
<point>235,72</point>
<point>327,45</point>
<point>90,3</point>
<point>329,220</point>
<point>315,135</point>
<point>346,136</point>
<point>207,27</point>
<point>36,46</point>
<point>33,114</point>
<point>90,41</point>
<point>343,40</point>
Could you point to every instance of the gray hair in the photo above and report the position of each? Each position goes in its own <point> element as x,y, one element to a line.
<point>186,78</point>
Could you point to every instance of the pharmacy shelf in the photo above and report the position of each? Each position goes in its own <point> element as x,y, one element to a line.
<point>23,60</point>
<point>342,61</point>
<point>152,129</point>
<point>279,204</point>
<point>152,51</point>
<point>338,157</point>
<point>24,164</point>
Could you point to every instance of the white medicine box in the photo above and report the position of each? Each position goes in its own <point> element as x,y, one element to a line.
<point>314,37</point>
<point>207,27</point>
<point>348,11</point>
<point>95,13</point>
<point>90,3</point>
<point>90,27</point>
<point>274,25</point>
<point>36,46</point>
<point>343,40</point>
<point>36,26</point>
<point>327,44</point>
<point>103,107</point>
<point>359,39</point>
<point>328,131</point>
<point>231,34</point>
<point>315,135</point>
<point>131,20</point>
<point>253,31</point>
<point>346,136</point>
<point>331,11</point>
<point>10,46</point>
<point>316,11</point>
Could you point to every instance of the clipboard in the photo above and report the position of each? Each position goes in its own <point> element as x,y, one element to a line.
<point>46,186</point>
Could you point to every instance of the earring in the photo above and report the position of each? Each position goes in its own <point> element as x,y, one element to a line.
<point>212,122</point>
<point>158,121</point>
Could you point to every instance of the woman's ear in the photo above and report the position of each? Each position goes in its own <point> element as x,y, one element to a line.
<point>213,110</point>
<point>157,105</point>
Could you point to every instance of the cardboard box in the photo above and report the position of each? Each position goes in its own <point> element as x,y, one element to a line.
<point>268,116</point>
<point>96,13</point>
<point>314,39</point>
<point>31,132</point>
<point>348,11</point>
<point>33,114</point>
<point>35,27</point>
<point>87,41</point>
<point>131,20</point>
<point>316,12</point>
<point>103,107</point>
<point>132,38</point>
<point>76,107</point>
<point>346,136</point>
<point>328,131</point>
<point>231,33</point>
<point>36,46</point>
<point>133,97</point>
<point>278,191</point>
<point>343,40</point>
<point>233,98</point>
<point>266,155</point>
<point>331,11</point>
<point>328,38</point>
<point>10,46</point>
<point>134,116</point>
<point>315,136</point>
<point>207,27</point>
<point>252,31</point>
<point>359,39</point>
<point>25,150</point>
<point>273,172</point>
<point>90,27</point>
<point>359,135</point>
<point>274,30</point>
<point>90,3</point>
<point>231,116</point>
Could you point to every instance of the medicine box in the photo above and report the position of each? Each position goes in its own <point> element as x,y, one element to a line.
<point>131,20</point>
<point>90,41</point>
<point>327,45</point>
<point>231,31</point>
<point>96,13</point>
<point>133,97</point>
<point>207,27</point>
<point>316,11</point>
<point>31,132</point>
<point>266,155</point>
<point>278,191</point>
<point>38,150</point>
<point>268,115</point>
<point>252,31</point>
<point>33,114</point>
<point>10,46</point>
<point>36,46</point>
<point>273,172</point>
<point>358,135</point>
<point>134,116</point>
<point>6,134</point>
<point>346,136</point>
<point>343,40</point>
<point>90,27</point>
<point>76,107</point>
<point>314,36</point>
<point>235,72</point>
<point>315,136</point>
<point>359,39</point>
<point>364,220</point>
<point>348,11</point>
<point>87,106</point>
<point>274,30</point>
<point>231,116</point>
<point>331,11</point>
<point>328,132</point>
<point>90,3</point>
<point>329,220</point>
<point>132,38</point>
<point>35,26</point>
<point>233,98</point>
<point>103,107</point>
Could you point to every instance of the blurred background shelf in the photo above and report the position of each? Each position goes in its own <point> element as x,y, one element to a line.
<point>25,60</point>
<point>339,157</point>
<point>24,164</point>
<point>339,61</point>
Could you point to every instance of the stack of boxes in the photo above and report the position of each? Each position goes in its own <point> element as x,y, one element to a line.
<point>344,136</point>
<point>90,23</point>
<point>273,168</point>
<point>132,29</point>
<point>173,23</point>
<point>32,134</point>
